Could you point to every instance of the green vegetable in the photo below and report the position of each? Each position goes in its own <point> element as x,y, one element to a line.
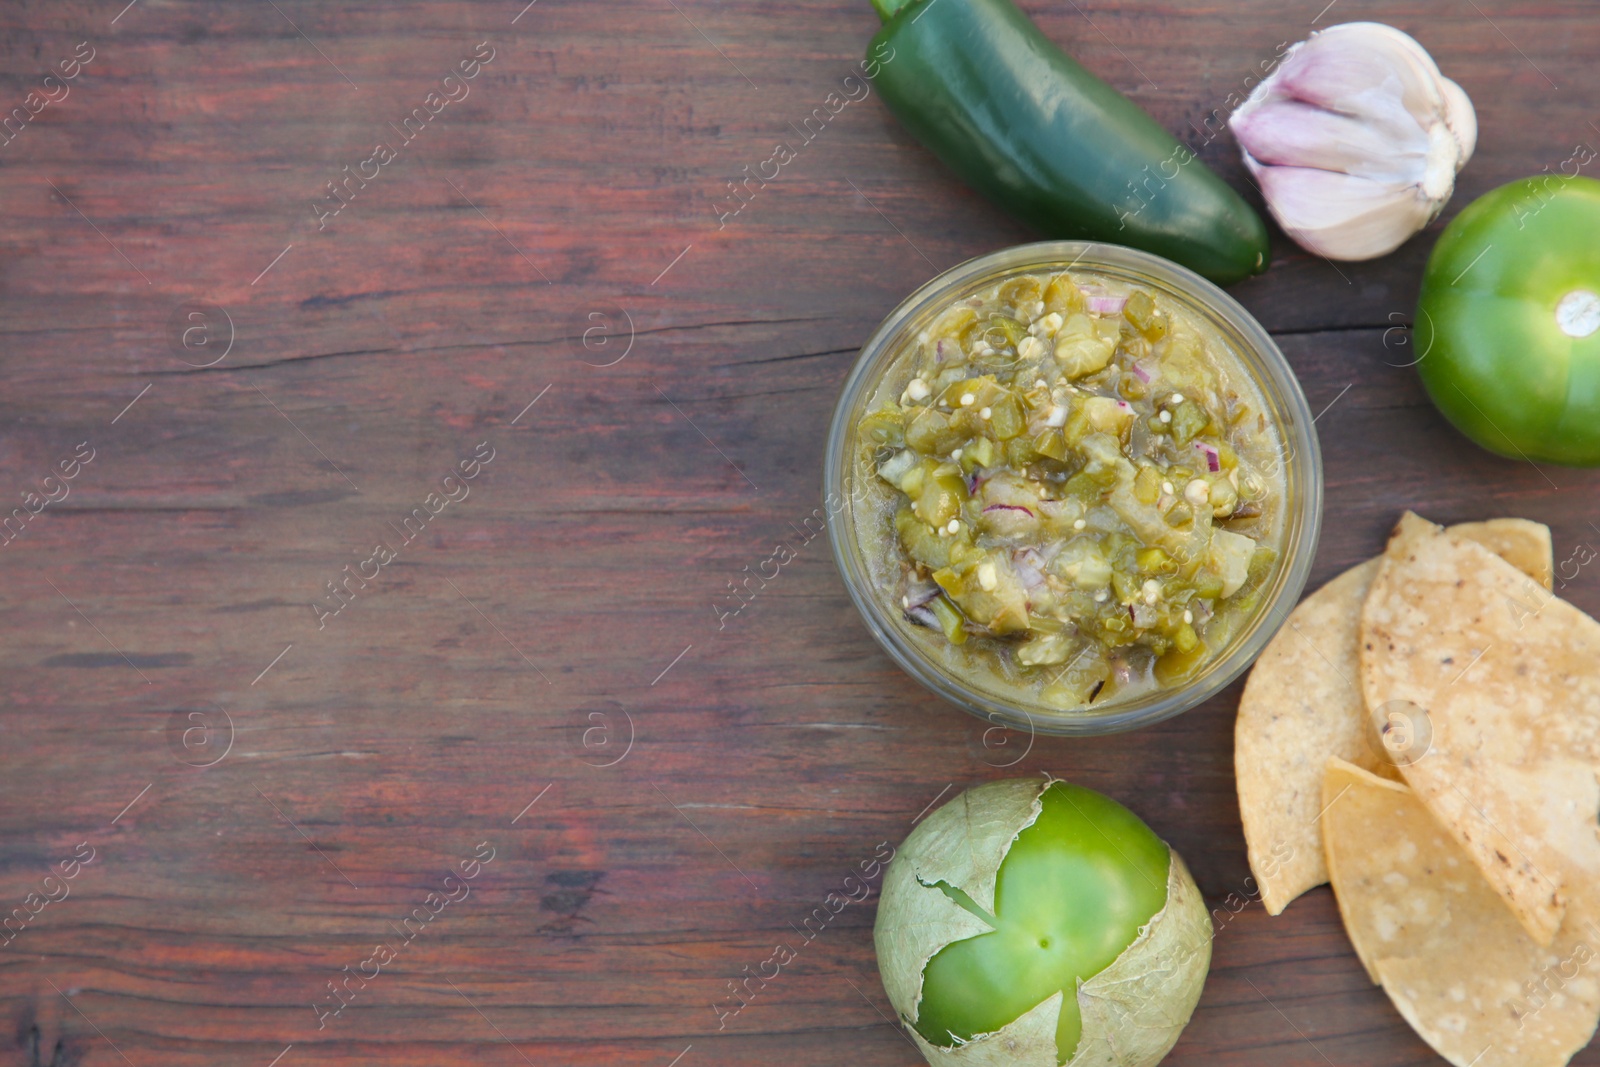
<point>921,543</point>
<point>978,84</point>
<point>1027,921</point>
<point>1508,323</point>
<point>941,499</point>
<point>1080,356</point>
<point>884,428</point>
<point>949,620</point>
<point>1051,444</point>
<point>1006,419</point>
<point>1188,420</point>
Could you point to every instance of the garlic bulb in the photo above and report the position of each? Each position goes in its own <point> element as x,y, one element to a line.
<point>1356,139</point>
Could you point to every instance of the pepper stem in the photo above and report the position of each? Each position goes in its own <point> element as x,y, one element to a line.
<point>886,8</point>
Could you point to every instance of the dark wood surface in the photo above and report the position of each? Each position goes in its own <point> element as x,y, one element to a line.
<point>554,636</point>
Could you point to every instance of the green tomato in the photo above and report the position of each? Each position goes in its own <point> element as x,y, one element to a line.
<point>1508,323</point>
<point>1071,895</point>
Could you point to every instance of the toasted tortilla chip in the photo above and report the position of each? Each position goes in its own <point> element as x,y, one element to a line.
<point>1436,936</point>
<point>1520,542</point>
<point>1303,703</point>
<point>1506,676</point>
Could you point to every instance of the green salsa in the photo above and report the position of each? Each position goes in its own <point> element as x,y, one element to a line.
<point>1078,489</point>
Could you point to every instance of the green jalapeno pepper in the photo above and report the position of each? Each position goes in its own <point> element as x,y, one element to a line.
<point>979,85</point>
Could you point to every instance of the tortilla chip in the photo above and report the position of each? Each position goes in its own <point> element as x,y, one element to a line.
<point>1431,931</point>
<point>1520,542</point>
<point>1505,673</point>
<point>1303,704</point>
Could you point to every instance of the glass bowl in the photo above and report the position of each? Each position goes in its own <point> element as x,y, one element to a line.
<point>1254,350</point>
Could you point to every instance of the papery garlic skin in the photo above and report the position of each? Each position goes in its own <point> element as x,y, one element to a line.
<point>1356,140</point>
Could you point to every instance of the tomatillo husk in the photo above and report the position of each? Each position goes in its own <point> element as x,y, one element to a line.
<point>1016,893</point>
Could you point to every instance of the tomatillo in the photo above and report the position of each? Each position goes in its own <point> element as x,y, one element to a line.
<point>1508,324</point>
<point>1032,922</point>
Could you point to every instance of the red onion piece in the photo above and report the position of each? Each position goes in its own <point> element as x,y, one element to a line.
<point>1213,459</point>
<point>1107,305</point>
<point>1031,577</point>
<point>919,593</point>
<point>1008,507</point>
<point>1141,373</point>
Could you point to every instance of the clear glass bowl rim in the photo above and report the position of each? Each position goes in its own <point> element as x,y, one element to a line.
<point>1303,465</point>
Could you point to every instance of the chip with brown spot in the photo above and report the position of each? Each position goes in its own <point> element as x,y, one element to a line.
<point>1511,772</point>
<point>1303,704</point>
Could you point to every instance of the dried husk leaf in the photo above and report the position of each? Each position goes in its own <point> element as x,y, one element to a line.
<point>1027,1041</point>
<point>961,844</point>
<point>1303,703</point>
<point>1133,1011</point>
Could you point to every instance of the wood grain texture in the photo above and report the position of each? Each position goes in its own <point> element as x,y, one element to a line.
<point>554,635</point>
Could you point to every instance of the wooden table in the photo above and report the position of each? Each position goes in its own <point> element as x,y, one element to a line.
<point>534,684</point>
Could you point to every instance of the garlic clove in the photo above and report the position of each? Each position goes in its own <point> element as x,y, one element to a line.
<point>1296,134</point>
<point>1356,139</point>
<point>1381,89</point>
<point>1451,102</point>
<point>1343,216</point>
<point>1367,55</point>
